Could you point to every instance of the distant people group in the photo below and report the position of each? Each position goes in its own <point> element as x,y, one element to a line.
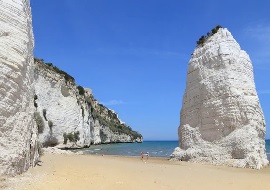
<point>146,154</point>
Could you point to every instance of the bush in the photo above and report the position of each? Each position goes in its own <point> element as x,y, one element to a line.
<point>39,122</point>
<point>66,75</point>
<point>50,123</point>
<point>51,141</point>
<point>38,60</point>
<point>215,30</point>
<point>76,136</point>
<point>72,137</point>
<point>35,103</point>
<point>81,90</point>
<point>203,38</point>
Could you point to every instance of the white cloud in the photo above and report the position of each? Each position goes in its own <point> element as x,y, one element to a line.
<point>113,102</point>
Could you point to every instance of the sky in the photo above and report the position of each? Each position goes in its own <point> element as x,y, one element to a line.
<point>134,54</point>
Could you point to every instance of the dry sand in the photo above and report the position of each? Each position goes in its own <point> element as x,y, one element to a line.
<point>69,172</point>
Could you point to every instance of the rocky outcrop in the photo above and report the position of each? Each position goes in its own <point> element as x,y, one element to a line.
<point>18,133</point>
<point>222,122</point>
<point>70,115</point>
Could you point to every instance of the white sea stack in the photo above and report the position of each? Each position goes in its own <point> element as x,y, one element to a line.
<point>18,134</point>
<point>222,122</point>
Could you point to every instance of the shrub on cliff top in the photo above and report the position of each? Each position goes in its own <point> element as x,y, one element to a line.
<point>81,90</point>
<point>56,69</point>
<point>38,60</point>
<point>203,38</point>
<point>215,30</point>
<point>66,75</point>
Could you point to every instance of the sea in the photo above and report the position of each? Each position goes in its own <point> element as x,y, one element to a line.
<point>155,148</point>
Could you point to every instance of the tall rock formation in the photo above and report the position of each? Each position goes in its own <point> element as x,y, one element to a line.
<point>66,110</point>
<point>18,134</point>
<point>40,105</point>
<point>222,122</point>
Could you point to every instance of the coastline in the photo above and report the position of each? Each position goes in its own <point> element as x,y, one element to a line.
<point>71,171</point>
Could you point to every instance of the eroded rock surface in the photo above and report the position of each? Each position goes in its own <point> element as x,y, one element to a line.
<point>65,110</point>
<point>18,134</point>
<point>222,122</point>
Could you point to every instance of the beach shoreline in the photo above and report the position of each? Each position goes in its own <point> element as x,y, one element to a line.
<point>71,171</point>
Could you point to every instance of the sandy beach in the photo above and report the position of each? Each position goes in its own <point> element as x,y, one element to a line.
<point>83,172</point>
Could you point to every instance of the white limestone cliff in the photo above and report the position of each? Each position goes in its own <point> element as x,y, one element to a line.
<point>60,104</point>
<point>222,122</point>
<point>18,133</point>
<point>42,107</point>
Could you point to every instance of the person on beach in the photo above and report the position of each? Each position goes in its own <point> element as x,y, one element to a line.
<point>147,155</point>
<point>141,155</point>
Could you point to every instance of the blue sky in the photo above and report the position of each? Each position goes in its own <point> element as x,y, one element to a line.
<point>134,53</point>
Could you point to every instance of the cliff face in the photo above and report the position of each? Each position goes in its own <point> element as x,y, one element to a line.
<point>58,113</point>
<point>71,117</point>
<point>18,134</point>
<point>222,121</point>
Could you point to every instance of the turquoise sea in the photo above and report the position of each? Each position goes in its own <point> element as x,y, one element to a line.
<point>155,148</point>
<point>267,145</point>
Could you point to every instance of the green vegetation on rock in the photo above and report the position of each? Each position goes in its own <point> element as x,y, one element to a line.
<point>204,38</point>
<point>50,123</point>
<point>89,105</point>
<point>71,137</point>
<point>113,123</point>
<point>51,142</point>
<point>56,69</point>
<point>81,90</point>
<point>35,103</point>
<point>39,122</point>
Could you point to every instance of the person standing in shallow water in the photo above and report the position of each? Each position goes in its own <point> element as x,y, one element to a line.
<point>141,155</point>
<point>147,155</point>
